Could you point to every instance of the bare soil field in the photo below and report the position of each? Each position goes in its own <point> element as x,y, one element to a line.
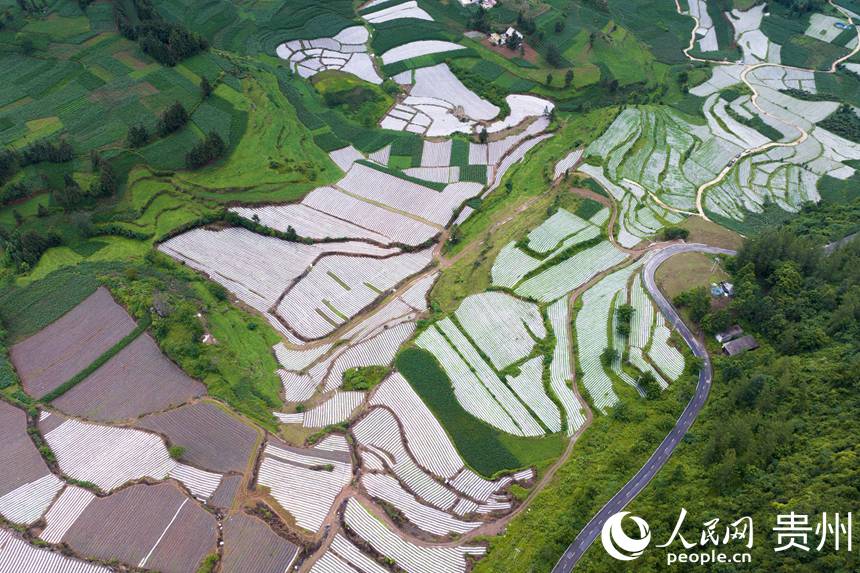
<point>250,546</point>
<point>68,345</point>
<point>19,459</point>
<point>226,492</point>
<point>137,381</point>
<point>212,438</point>
<point>529,54</point>
<point>158,523</point>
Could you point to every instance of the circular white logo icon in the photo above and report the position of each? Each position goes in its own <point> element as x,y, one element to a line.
<point>620,545</point>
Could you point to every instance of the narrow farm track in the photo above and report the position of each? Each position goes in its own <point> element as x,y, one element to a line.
<point>700,192</point>
<point>643,477</point>
<point>856,49</point>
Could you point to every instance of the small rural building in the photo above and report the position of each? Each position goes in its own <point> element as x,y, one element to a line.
<point>730,334</point>
<point>728,288</point>
<point>512,32</point>
<point>740,345</point>
<point>502,39</point>
<point>716,290</point>
<point>487,4</point>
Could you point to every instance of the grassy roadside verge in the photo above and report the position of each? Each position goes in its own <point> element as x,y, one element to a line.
<point>603,459</point>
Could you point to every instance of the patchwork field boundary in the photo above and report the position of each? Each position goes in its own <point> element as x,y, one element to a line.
<point>98,362</point>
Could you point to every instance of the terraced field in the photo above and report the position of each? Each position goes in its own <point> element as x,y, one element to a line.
<point>337,288</point>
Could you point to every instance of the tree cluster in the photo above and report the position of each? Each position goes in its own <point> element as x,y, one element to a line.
<point>11,160</point>
<point>44,150</point>
<point>208,150</point>
<point>168,43</point>
<point>479,21</point>
<point>623,316</point>
<point>525,25</point>
<point>138,136</point>
<point>672,232</point>
<point>24,248</point>
<point>174,118</point>
<point>844,121</point>
<point>796,294</point>
<point>13,192</point>
<point>800,7</point>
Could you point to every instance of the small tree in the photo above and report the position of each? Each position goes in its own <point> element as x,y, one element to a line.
<point>483,135</point>
<point>137,136</point>
<point>455,235</point>
<point>205,87</point>
<point>568,78</point>
<point>624,313</point>
<point>559,26</point>
<point>608,356</point>
<point>553,56</point>
<point>172,119</point>
<point>549,79</point>
<point>649,385</point>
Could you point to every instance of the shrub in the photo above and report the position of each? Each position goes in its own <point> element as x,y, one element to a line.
<point>672,232</point>
<point>648,383</point>
<point>208,564</point>
<point>364,377</point>
<point>608,356</point>
<point>697,300</point>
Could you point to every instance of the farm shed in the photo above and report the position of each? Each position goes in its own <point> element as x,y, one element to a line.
<point>730,334</point>
<point>740,345</point>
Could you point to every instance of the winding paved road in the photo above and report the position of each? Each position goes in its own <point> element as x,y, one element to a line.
<point>632,488</point>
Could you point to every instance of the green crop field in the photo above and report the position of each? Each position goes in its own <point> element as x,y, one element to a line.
<point>387,35</point>
<point>484,448</point>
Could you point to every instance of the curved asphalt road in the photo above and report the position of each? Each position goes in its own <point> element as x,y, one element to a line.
<point>631,489</point>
